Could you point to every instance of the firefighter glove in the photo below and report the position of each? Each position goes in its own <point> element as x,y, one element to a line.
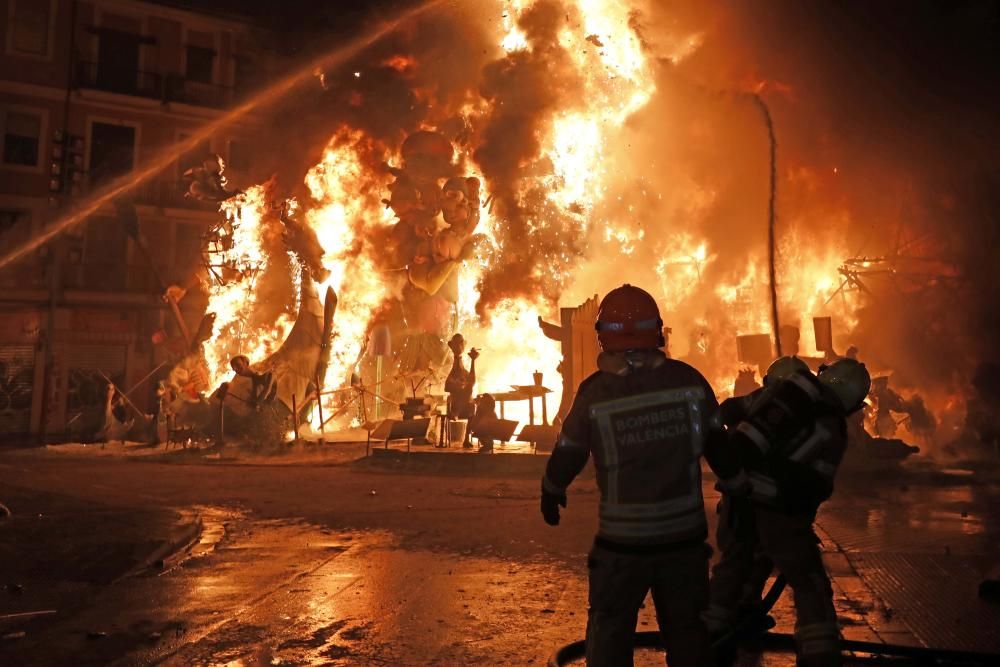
<point>550,506</point>
<point>737,485</point>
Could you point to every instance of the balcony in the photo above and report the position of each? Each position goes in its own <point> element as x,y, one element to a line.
<point>152,85</point>
<point>179,89</point>
<point>117,79</point>
<point>168,193</point>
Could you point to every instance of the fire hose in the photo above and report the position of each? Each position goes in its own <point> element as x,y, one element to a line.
<point>784,641</point>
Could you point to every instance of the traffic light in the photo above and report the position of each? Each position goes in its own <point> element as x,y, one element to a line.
<point>74,163</point>
<point>66,166</point>
<point>56,164</point>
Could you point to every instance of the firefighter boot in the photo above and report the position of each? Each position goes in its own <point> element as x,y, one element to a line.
<point>793,546</point>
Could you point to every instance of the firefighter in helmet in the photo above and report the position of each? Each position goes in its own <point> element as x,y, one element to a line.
<point>788,445</point>
<point>734,410</point>
<point>645,419</point>
<point>739,577</point>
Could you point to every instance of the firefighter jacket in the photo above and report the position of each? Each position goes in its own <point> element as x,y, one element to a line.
<point>729,462</point>
<point>736,408</point>
<point>791,447</point>
<point>645,419</point>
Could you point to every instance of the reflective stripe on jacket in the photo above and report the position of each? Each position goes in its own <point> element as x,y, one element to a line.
<point>803,478</point>
<point>668,425</point>
<point>646,430</point>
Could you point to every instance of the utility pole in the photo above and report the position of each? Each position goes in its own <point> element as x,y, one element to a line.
<point>65,157</point>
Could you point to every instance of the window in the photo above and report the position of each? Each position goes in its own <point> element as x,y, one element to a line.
<point>244,73</point>
<point>112,151</point>
<point>28,32</point>
<point>118,62</point>
<point>9,219</point>
<point>199,64</point>
<point>22,132</point>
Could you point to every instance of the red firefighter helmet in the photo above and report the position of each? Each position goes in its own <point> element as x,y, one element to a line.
<point>628,319</point>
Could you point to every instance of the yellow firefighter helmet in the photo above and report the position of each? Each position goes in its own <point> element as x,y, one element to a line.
<point>784,367</point>
<point>849,380</point>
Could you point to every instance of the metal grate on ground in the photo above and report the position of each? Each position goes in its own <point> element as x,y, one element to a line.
<point>935,595</point>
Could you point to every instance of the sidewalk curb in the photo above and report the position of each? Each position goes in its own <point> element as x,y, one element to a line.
<point>887,631</point>
<point>184,539</point>
<point>439,463</point>
<point>278,456</point>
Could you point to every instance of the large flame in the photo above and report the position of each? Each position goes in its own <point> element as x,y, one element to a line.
<point>238,259</point>
<point>346,208</point>
<point>568,188</point>
<point>616,82</point>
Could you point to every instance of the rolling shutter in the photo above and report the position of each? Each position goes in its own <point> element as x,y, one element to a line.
<point>17,373</point>
<point>86,389</point>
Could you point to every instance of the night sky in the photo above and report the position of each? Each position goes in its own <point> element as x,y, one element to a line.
<point>922,55</point>
<point>931,52</point>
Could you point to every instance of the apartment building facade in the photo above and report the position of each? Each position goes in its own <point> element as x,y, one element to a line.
<point>91,90</point>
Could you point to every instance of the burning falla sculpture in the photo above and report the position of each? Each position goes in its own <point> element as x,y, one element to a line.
<point>460,383</point>
<point>261,395</point>
<point>431,249</point>
<point>207,182</point>
<point>437,211</point>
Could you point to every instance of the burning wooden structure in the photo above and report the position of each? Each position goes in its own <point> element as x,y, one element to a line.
<point>482,210</point>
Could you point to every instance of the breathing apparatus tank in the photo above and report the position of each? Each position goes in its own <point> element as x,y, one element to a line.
<point>783,415</point>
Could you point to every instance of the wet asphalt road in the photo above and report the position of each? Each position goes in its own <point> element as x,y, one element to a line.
<point>306,565</point>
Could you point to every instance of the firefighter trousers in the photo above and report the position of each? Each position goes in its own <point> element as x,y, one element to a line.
<point>739,577</point>
<point>789,541</point>
<point>619,583</point>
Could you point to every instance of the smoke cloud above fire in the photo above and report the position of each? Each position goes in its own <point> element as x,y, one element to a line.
<point>620,141</point>
<point>525,88</point>
<point>883,146</point>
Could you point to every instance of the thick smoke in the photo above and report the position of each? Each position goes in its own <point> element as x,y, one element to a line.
<point>525,88</point>
<point>885,124</point>
<point>419,76</point>
<point>883,147</point>
<point>885,109</point>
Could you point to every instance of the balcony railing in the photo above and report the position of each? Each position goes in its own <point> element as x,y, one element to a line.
<point>179,89</point>
<point>167,88</point>
<point>118,79</point>
<point>169,194</point>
